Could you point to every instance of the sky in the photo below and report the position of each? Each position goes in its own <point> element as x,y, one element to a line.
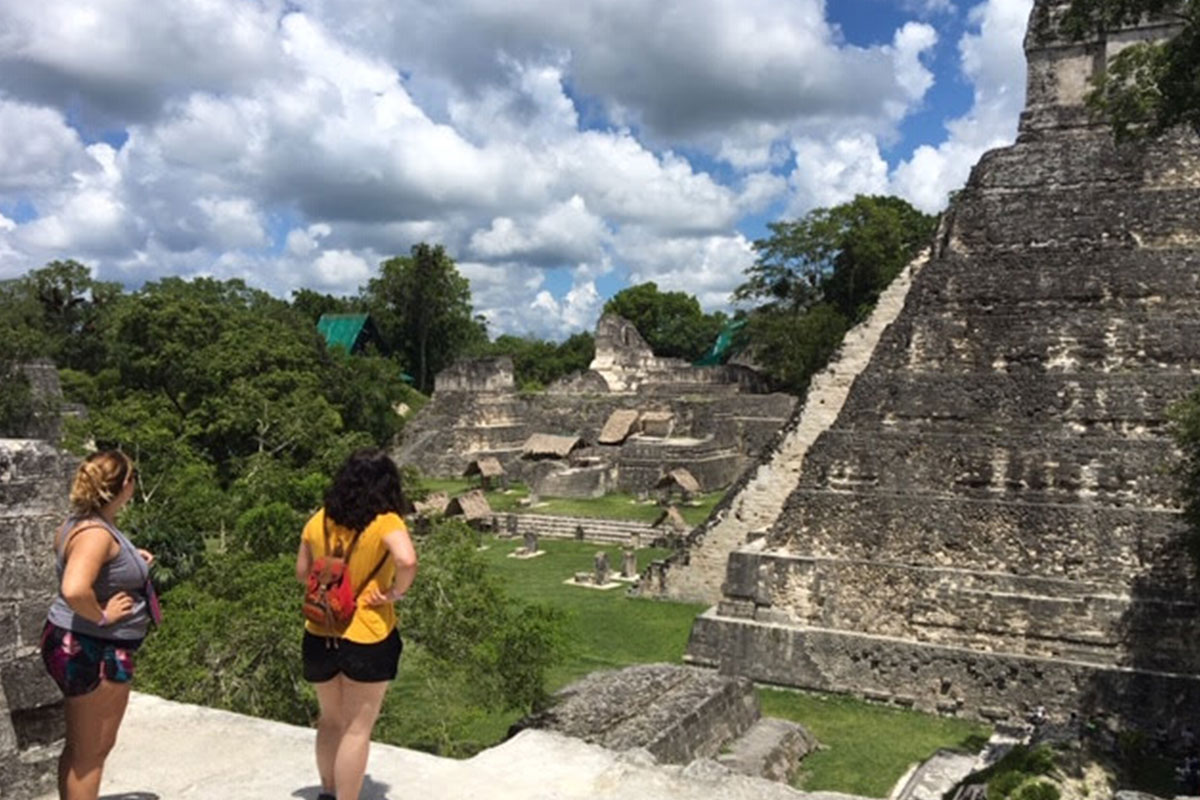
<point>559,150</point>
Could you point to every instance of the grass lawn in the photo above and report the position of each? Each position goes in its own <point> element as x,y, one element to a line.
<point>606,630</point>
<point>867,747</point>
<point>619,505</point>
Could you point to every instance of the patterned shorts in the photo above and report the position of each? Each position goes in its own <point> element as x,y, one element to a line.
<point>78,662</point>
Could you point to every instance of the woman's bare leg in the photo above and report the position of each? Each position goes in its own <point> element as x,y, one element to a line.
<point>93,720</point>
<point>360,708</point>
<point>329,730</point>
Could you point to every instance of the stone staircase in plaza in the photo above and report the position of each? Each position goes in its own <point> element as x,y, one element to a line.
<point>754,504</point>
<point>588,529</point>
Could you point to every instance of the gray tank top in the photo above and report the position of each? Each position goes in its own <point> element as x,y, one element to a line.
<point>127,572</point>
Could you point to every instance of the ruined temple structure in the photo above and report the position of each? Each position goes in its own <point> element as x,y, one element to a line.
<point>991,523</point>
<point>639,415</point>
<point>34,476</point>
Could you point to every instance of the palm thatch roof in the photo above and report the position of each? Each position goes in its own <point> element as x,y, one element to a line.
<point>469,506</point>
<point>545,445</point>
<point>619,426</point>
<point>488,467</point>
<point>681,478</point>
<point>434,502</point>
<point>672,518</point>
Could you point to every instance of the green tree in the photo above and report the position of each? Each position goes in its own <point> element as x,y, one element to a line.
<point>312,305</point>
<point>22,338</point>
<point>672,323</point>
<point>73,309</point>
<point>817,276</point>
<point>538,363</point>
<point>1148,87</point>
<point>233,641</point>
<point>491,651</point>
<point>423,308</point>
<point>844,255</point>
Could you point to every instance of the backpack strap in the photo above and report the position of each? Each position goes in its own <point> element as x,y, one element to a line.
<point>383,560</point>
<point>353,539</point>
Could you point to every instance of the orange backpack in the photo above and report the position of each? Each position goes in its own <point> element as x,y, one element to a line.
<point>330,599</point>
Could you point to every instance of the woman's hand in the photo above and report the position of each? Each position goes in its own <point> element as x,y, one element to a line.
<point>147,556</point>
<point>373,597</point>
<point>118,606</point>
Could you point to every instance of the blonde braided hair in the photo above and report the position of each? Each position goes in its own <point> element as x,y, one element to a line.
<point>98,480</point>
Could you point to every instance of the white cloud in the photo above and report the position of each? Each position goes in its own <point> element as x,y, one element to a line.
<point>36,147</point>
<point>233,222</point>
<point>579,308</point>
<point>827,173</point>
<point>708,267</point>
<point>993,60</point>
<point>337,269</point>
<point>121,59</point>
<point>566,233</point>
<point>301,142</point>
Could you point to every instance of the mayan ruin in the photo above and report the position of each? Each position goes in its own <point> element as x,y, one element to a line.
<point>990,525</point>
<point>623,424</point>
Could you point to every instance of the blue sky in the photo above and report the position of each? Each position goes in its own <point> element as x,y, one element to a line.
<point>559,151</point>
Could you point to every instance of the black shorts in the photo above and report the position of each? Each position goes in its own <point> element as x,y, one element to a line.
<point>325,659</point>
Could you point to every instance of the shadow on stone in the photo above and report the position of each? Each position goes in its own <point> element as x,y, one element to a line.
<point>371,790</point>
<point>130,796</point>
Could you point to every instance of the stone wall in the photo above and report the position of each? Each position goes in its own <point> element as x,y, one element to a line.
<point>718,434</point>
<point>34,480</point>
<point>992,522</point>
<point>675,713</point>
<point>476,375</point>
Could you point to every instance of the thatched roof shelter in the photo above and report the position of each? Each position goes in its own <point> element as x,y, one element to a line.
<point>619,426</point>
<point>679,478</point>
<point>487,467</point>
<point>545,445</point>
<point>671,518</point>
<point>434,503</point>
<point>470,506</point>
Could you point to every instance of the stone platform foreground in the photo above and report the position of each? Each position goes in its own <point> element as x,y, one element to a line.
<point>173,751</point>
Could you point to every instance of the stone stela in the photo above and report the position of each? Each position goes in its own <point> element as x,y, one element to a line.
<point>600,576</point>
<point>530,547</point>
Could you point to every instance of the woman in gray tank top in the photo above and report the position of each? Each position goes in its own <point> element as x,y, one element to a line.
<point>97,620</point>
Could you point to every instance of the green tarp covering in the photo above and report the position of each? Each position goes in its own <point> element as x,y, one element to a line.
<point>342,330</point>
<point>720,348</point>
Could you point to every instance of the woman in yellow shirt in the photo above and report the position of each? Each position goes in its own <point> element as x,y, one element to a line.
<point>351,666</point>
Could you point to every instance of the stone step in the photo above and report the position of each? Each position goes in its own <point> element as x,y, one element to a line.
<point>758,504</point>
<point>772,748</point>
<point>675,713</point>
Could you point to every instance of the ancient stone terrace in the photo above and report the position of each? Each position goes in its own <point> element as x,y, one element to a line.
<point>992,522</point>
<point>718,418</point>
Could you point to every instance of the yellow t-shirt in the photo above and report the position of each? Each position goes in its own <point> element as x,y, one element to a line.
<point>368,625</point>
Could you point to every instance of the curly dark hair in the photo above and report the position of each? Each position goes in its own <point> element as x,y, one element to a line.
<point>367,485</point>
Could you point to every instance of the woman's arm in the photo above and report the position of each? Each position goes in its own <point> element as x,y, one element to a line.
<point>86,552</point>
<point>404,556</point>
<point>304,561</point>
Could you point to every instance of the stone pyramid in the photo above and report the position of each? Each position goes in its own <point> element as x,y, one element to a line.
<point>992,524</point>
